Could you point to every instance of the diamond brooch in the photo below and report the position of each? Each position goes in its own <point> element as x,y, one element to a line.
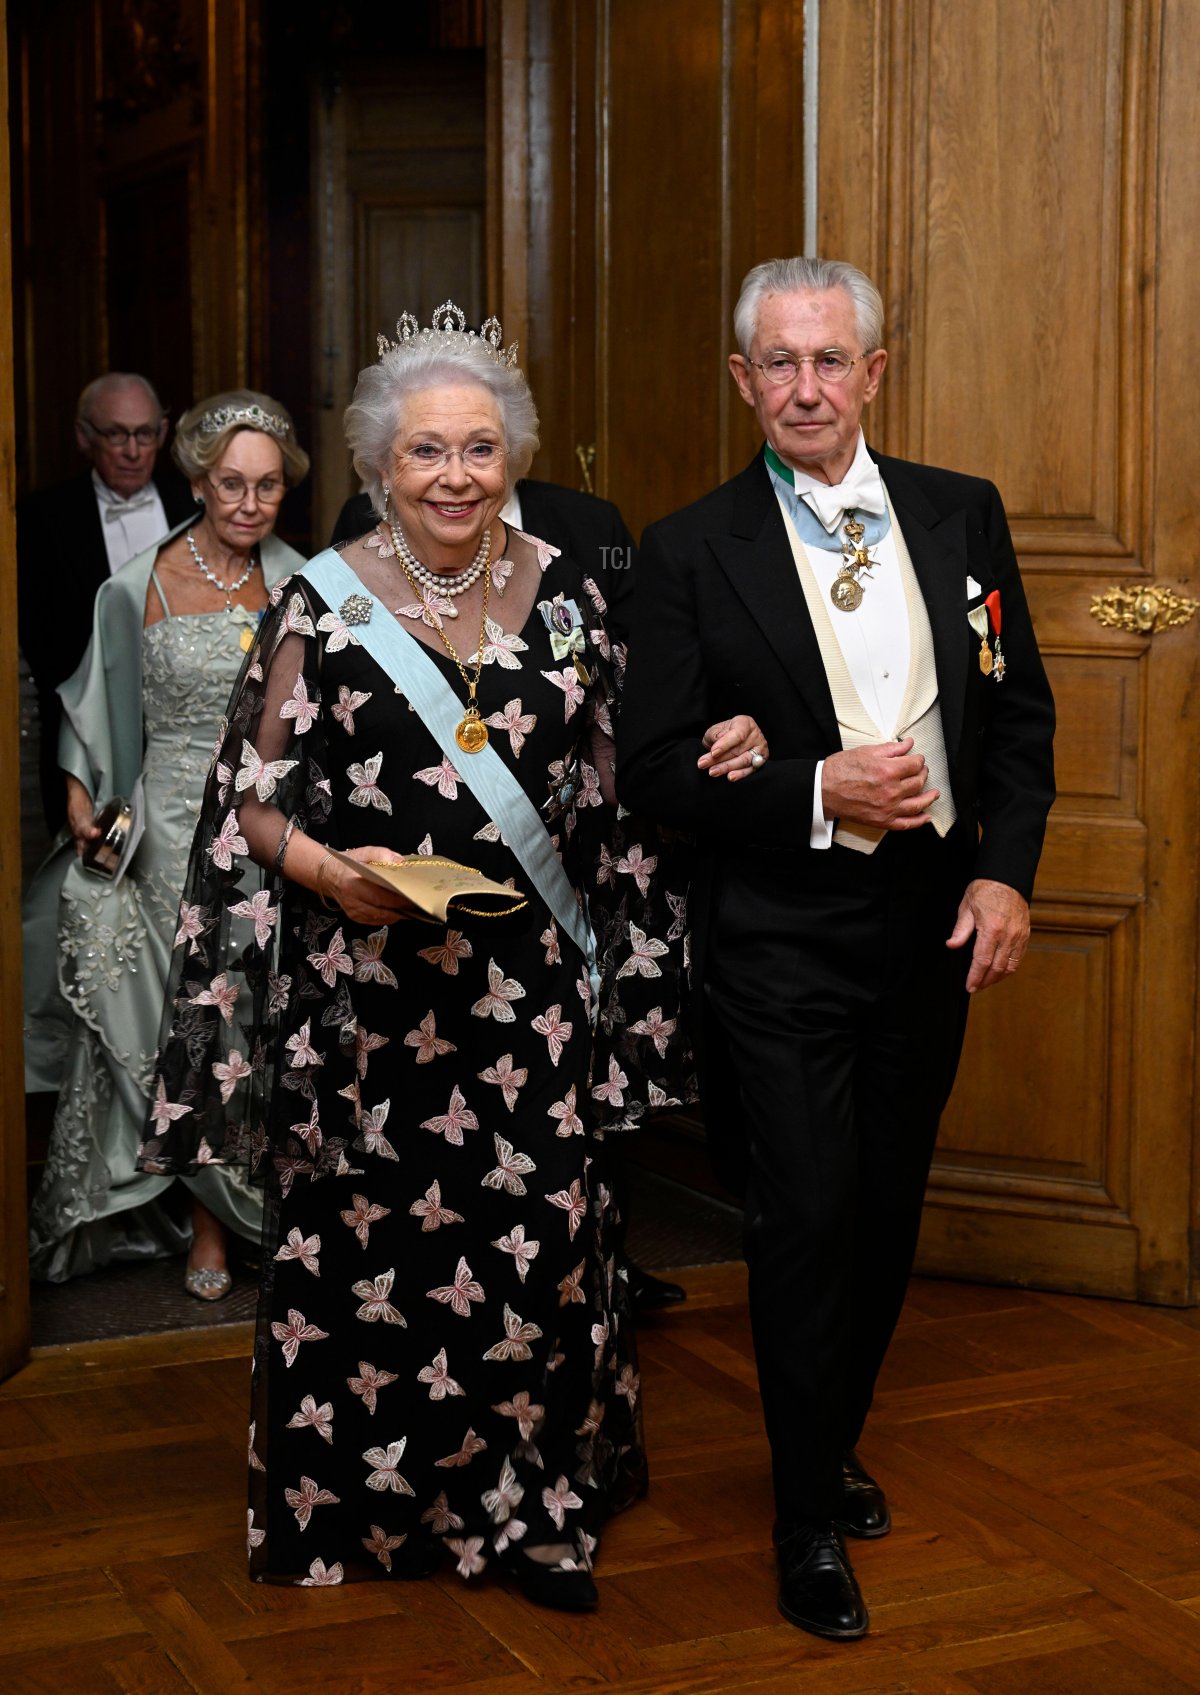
<point>355,609</point>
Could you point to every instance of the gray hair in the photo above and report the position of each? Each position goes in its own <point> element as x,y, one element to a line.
<point>792,276</point>
<point>196,450</point>
<point>114,379</point>
<point>373,418</point>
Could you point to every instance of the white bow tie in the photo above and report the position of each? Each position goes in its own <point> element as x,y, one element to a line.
<point>862,491</point>
<point>115,510</point>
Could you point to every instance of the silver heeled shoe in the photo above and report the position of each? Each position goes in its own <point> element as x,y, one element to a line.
<point>207,1284</point>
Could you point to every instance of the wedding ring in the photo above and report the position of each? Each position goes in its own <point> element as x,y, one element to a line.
<point>756,758</point>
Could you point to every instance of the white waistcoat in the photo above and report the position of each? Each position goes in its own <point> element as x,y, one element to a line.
<point>920,716</point>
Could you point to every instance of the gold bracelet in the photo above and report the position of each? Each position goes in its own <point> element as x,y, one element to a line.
<point>329,905</point>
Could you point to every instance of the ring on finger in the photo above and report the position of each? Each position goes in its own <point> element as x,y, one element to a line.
<point>756,758</point>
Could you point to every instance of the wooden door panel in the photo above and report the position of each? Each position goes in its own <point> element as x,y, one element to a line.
<point>1033,1110</point>
<point>661,242</point>
<point>399,213</point>
<point>1021,112</point>
<point>642,159</point>
<point>406,253</point>
<point>1096,752</point>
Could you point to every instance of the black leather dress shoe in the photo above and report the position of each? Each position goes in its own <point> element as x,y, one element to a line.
<point>648,1292</point>
<point>817,1586</point>
<point>864,1508</point>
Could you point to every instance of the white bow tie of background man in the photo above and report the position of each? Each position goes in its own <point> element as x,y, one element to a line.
<point>114,510</point>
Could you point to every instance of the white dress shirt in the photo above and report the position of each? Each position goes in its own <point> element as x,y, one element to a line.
<point>874,638</point>
<point>131,525</point>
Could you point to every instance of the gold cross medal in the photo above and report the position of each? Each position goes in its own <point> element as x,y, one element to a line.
<point>977,617</point>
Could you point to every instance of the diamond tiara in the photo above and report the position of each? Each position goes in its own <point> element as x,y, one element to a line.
<point>449,329</point>
<point>255,416</point>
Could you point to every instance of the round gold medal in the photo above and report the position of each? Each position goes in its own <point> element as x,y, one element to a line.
<point>471,734</point>
<point>846,593</point>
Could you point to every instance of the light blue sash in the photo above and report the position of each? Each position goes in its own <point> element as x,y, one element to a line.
<point>809,527</point>
<point>484,773</point>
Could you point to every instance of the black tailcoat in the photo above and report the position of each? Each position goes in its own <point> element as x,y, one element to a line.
<point>829,1010</point>
<point>61,563</point>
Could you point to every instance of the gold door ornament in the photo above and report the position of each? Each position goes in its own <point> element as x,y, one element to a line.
<point>1142,611</point>
<point>587,458</point>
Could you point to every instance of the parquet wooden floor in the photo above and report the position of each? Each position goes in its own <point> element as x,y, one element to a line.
<point>1042,1457</point>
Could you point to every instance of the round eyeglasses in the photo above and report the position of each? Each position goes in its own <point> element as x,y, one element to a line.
<point>146,435</point>
<point>831,365</point>
<point>477,456</point>
<point>231,491</point>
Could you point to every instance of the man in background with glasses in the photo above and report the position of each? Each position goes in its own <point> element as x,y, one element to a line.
<point>862,884</point>
<point>74,535</point>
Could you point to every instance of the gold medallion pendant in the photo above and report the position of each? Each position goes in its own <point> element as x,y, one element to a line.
<point>471,734</point>
<point>985,658</point>
<point>846,592</point>
<point>847,589</point>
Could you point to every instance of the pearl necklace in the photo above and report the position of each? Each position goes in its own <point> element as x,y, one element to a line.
<point>227,589</point>
<point>471,732</point>
<point>453,583</point>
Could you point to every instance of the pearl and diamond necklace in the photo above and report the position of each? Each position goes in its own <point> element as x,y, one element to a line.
<point>227,589</point>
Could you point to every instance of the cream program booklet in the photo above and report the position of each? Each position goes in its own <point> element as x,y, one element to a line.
<point>441,887</point>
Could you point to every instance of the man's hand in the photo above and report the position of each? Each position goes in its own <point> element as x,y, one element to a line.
<point>732,745</point>
<point>884,786</point>
<point>998,918</point>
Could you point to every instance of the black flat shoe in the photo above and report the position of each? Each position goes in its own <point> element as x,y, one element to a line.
<point>548,1586</point>
<point>648,1292</point>
<point>864,1509</point>
<point>817,1587</point>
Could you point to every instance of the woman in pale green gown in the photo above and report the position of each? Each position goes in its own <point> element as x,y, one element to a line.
<point>140,719</point>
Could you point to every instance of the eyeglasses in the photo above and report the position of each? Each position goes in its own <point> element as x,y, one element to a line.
<point>231,491</point>
<point>831,365</point>
<point>146,435</point>
<point>477,456</point>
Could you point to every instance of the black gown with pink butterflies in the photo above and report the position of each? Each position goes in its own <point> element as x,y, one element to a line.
<point>443,1351</point>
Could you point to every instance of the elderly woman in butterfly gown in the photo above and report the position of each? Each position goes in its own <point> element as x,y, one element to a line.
<point>443,1366</point>
<point>170,633</point>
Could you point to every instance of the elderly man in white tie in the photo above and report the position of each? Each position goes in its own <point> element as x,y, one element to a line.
<point>868,878</point>
<point>71,536</point>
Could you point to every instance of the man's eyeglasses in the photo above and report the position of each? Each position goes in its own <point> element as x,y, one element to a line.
<point>146,435</point>
<point>478,456</point>
<point>831,365</point>
<point>231,491</point>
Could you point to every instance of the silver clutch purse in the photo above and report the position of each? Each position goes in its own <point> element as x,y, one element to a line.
<point>103,856</point>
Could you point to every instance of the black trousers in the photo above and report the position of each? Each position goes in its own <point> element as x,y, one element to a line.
<point>839,1012</point>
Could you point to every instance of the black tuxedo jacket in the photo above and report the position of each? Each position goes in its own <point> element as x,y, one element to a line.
<point>61,563</point>
<point>720,625</point>
<point>588,530</point>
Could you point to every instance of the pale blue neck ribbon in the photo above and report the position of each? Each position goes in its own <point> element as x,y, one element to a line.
<point>494,786</point>
<point>809,527</point>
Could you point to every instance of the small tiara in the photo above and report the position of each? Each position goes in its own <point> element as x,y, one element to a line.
<point>449,329</point>
<point>256,416</point>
